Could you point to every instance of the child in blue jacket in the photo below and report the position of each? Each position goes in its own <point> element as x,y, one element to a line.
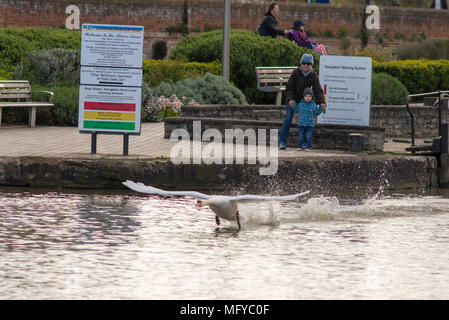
<point>307,109</point>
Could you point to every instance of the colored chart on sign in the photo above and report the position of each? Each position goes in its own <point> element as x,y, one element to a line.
<point>113,109</point>
<point>105,125</point>
<point>118,116</point>
<point>92,105</point>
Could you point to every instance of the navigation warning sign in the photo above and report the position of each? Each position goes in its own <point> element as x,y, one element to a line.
<point>113,109</point>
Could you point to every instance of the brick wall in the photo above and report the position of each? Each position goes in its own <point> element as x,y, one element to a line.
<point>157,15</point>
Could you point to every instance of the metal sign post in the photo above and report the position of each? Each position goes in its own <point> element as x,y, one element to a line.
<point>226,32</point>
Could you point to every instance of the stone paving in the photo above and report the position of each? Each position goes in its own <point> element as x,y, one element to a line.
<point>67,142</point>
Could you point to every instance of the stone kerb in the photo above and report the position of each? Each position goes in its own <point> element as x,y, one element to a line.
<point>393,118</point>
<point>331,137</point>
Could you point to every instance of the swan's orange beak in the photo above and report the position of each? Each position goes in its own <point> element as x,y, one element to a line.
<point>198,203</point>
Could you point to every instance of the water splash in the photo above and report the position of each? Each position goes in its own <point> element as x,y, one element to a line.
<point>371,209</point>
<point>319,209</point>
<point>262,213</point>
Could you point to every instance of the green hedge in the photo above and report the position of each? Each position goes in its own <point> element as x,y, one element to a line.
<point>17,42</point>
<point>247,50</point>
<point>4,75</point>
<point>157,71</point>
<point>61,67</point>
<point>50,67</point>
<point>387,90</point>
<point>433,49</point>
<point>418,76</point>
<point>210,89</point>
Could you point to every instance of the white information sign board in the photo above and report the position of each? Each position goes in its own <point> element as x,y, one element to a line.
<point>111,79</point>
<point>111,76</point>
<point>112,46</point>
<point>346,82</point>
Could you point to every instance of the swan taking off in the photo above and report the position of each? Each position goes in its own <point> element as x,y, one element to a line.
<point>223,206</point>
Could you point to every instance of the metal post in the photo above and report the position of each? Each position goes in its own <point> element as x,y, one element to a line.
<point>93,143</point>
<point>444,138</point>
<point>440,107</point>
<point>226,27</point>
<point>125,144</point>
<point>412,120</point>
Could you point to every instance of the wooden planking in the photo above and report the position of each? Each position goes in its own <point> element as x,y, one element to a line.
<point>16,90</point>
<point>15,96</point>
<point>274,75</point>
<point>272,71</point>
<point>271,80</point>
<point>25,104</point>
<point>14,84</point>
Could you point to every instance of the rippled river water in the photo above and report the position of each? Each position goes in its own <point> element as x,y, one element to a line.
<point>60,245</point>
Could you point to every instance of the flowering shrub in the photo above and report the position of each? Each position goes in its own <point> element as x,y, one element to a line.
<point>162,107</point>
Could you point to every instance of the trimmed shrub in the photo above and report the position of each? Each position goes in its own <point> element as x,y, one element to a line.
<point>432,49</point>
<point>387,90</point>
<point>210,89</point>
<point>418,76</point>
<point>379,54</point>
<point>4,75</point>
<point>53,67</point>
<point>156,71</point>
<point>65,111</point>
<point>247,50</point>
<point>18,42</point>
<point>61,67</point>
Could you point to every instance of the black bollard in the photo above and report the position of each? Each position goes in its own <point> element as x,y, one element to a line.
<point>356,142</point>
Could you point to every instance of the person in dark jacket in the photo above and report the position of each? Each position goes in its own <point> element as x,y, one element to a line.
<point>443,4</point>
<point>268,26</point>
<point>301,78</point>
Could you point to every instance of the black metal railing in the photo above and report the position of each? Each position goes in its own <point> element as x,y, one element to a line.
<point>439,94</point>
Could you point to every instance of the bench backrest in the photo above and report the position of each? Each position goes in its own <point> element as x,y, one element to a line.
<point>273,76</point>
<point>19,90</point>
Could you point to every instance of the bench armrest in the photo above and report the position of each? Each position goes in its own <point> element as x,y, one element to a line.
<point>51,95</point>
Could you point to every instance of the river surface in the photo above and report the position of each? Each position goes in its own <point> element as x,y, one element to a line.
<point>62,245</point>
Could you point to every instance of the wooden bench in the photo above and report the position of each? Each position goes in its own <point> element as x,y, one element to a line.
<point>273,79</point>
<point>17,94</point>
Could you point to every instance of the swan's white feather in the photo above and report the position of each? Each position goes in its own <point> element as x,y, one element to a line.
<point>140,187</point>
<point>223,206</point>
<point>250,197</point>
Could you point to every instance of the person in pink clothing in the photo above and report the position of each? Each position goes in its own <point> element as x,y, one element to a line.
<point>299,36</point>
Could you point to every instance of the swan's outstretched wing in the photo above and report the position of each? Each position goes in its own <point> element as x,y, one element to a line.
<point>250,197</point>
<point>140,187</point>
